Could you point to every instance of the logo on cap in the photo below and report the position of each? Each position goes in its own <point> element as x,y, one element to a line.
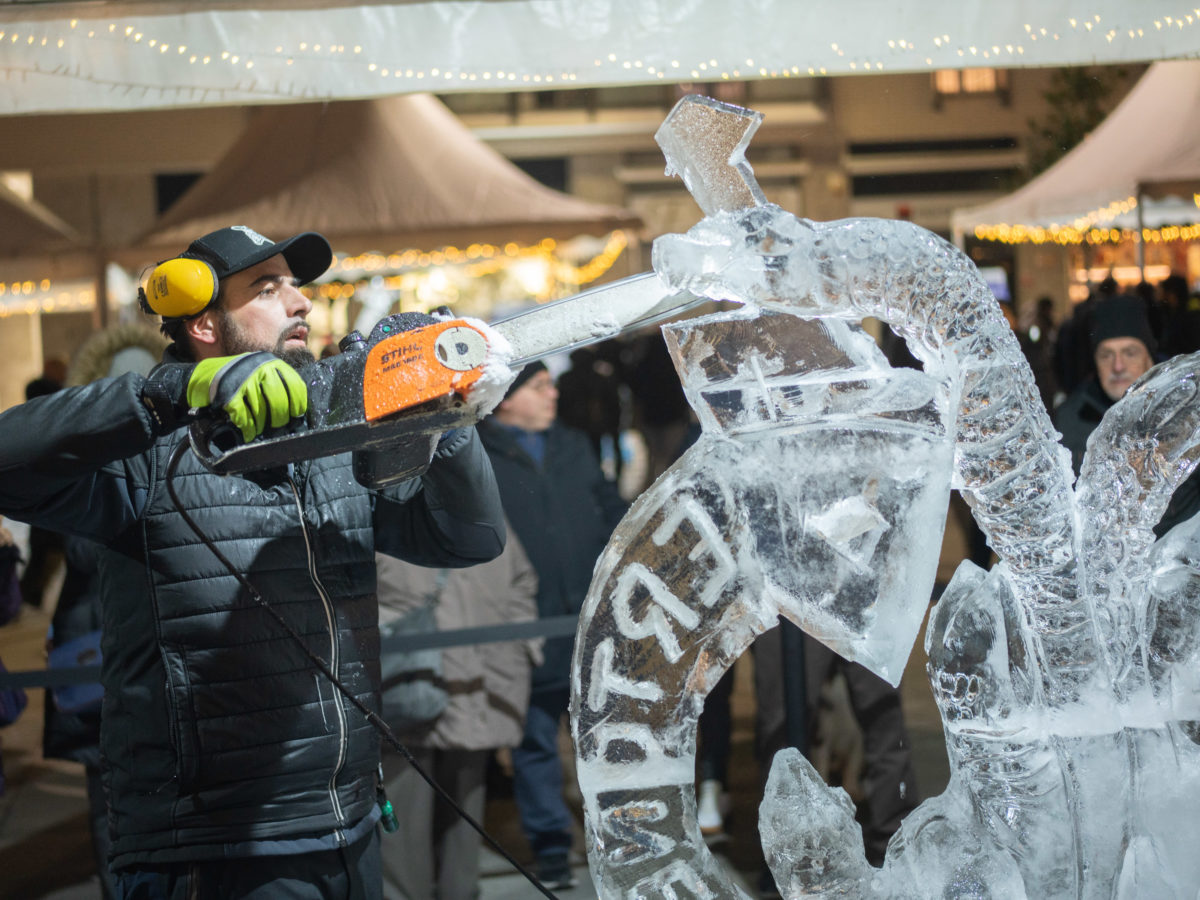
<point>252,234</point>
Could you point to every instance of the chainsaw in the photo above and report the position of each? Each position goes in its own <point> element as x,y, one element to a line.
<point>387,397</point>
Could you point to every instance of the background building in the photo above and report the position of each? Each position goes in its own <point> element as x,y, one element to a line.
<point>911,146</point>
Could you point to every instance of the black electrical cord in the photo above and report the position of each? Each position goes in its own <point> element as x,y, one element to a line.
<point>373,718</point>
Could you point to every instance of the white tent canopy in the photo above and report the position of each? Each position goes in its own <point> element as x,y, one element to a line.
<point>1146,152</point>
<point>129,54</point>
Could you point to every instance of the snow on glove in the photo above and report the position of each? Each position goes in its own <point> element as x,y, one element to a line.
<point>255,390</point>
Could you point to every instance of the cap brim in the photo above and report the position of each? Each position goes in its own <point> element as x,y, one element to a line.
<point>308,255</point>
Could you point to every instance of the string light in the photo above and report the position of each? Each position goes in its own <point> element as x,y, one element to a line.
<point>348,273</point>
<point>931,48</point>
<point>22,298</point>
<point>1064,235</point>
<point>1085,229</point>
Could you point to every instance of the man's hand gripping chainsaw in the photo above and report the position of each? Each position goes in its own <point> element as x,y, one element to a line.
<point>389,396</point>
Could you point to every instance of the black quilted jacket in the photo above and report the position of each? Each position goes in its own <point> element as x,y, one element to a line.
<point>217,731</point>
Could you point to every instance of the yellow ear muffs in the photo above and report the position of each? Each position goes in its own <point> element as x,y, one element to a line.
<point>179,288</point>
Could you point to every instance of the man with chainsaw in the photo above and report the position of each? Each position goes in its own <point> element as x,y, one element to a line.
<point>233,768</point>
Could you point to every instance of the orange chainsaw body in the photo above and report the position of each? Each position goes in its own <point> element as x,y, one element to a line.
<point>413,367</point>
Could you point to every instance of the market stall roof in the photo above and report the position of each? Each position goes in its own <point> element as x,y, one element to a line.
<point>131,54</point>
<point>1149,146</point>
<point>388,174</point>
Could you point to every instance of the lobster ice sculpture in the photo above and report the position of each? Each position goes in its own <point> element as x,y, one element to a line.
<point>1067,677</point>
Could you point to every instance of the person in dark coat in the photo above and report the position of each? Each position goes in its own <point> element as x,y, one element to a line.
<point>74,734</point>
<point>1181,315</point>
<point>45,547</point>
<point>1123,348</point>
<point>232,768</point>
<point>590,395</point>
<point>563,510</point>
<point>660,408</point>
<point>435,852</point>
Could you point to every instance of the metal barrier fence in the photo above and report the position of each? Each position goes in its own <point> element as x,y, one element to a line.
<point>554,626</point>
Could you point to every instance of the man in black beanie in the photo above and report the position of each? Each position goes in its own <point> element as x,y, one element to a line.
<point>1123,345</point>
<point>1123,348</point>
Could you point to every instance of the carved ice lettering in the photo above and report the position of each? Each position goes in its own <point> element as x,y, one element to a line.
<point>606,679</point>
<point>653,623</point>
<point>675,882</point>
<point>632,838</point>
<point>711,543</point>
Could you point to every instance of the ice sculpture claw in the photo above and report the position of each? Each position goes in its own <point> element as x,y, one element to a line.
<point>705,142</point>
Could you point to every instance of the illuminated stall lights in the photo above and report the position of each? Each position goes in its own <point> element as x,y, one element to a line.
<point>22,298</point>
<point>1170,233</point>
<point>19,288</point>
<point>348,273</point>
<point>1122,274</point>
<point>597,266</point>
<point>1069,235</point>
<point>1088,228</point>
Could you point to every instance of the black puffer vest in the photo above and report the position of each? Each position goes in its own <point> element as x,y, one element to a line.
<point>219,729</point>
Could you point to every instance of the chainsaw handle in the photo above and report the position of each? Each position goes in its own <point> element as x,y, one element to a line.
<point>212,436</point>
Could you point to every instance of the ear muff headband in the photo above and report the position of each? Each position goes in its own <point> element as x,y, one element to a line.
<point>179,288</point>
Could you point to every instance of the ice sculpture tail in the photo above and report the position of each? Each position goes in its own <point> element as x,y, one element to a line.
<point>986,685</point>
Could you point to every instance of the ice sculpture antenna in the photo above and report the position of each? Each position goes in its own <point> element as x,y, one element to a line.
<point>817,491</point>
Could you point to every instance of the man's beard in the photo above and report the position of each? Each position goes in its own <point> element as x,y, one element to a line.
<point>236,341</point>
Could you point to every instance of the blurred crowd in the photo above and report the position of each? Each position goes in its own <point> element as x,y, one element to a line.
<point>572,447</point>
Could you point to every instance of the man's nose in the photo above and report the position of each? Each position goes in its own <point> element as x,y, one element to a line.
<point>297,303</point>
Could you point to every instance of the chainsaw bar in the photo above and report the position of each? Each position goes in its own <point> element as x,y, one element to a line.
<point>591,316</point>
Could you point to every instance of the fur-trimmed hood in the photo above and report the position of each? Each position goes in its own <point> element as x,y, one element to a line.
<point>94,359</point>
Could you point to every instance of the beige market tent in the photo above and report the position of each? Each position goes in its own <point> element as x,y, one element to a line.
<point>385,174</point>
<point>1139,167</point>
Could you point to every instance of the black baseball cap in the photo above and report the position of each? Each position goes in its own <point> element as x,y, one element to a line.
<point>230,250</point>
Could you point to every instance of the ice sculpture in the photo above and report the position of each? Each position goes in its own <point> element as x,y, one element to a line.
<point>1067,677</point>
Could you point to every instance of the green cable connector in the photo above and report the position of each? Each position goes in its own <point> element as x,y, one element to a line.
<point>387,816</point>
<point>388,819</point>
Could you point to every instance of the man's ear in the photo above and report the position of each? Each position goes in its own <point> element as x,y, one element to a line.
<point>203,334</point>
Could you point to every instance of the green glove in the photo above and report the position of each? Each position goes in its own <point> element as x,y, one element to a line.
<point>256,390</point>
